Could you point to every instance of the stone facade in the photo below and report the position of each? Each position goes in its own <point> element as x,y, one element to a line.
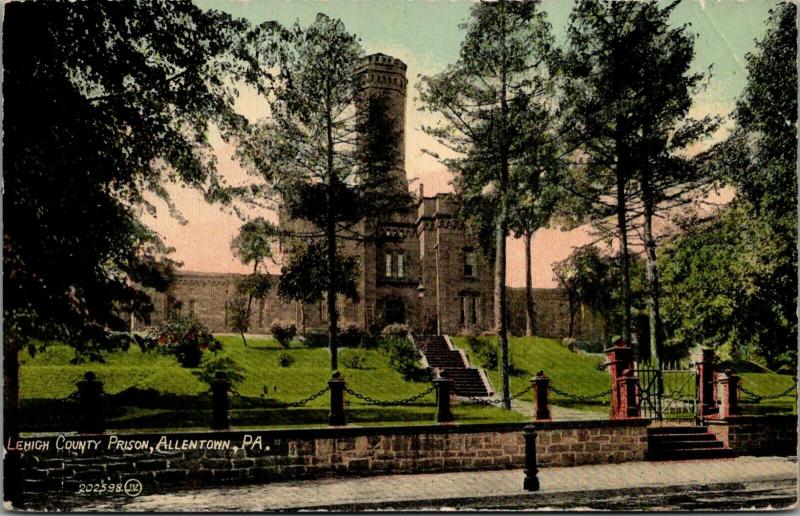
<point>314,453</point>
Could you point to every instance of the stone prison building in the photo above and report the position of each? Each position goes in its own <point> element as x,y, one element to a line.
<point>430,274</point>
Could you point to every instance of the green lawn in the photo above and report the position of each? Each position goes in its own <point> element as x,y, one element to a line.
<point>159,393</point>
<point>177,400</point>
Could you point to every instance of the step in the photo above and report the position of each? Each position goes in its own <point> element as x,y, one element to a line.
<point>683,445</point>
<point>689,454</point>
<point>677,430</point>
<point>682,437</point>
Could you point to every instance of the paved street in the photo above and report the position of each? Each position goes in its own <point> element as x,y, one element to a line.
<point>745,482</point>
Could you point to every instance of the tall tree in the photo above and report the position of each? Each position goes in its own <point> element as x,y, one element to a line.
<point>628,92</point>
<point>503,71</point>
<point>253,245</point>
<point>738,271</point>
<point>329,152</point>
<point>104,102</point>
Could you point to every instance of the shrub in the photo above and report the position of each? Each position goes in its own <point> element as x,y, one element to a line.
<point>316,338</point>
<point>209,369</point>
<point>354,337</point>
<point>486,350</point>
<point>283,332</point>
<point>395,331</point>
<point>402,354</point>
<point>186,338</point>
<point>286,359</point>
<point>355,359</point>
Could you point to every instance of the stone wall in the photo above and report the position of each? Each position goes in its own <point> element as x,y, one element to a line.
<point>313,453</point>
<point>551,307</point>
<point>757,435</point>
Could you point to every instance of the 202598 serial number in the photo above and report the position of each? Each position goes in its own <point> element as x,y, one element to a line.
<point>131,487</point>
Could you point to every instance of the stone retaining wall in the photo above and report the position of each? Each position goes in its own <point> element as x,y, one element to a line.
<point>757,435</point>
<point>312,453</point>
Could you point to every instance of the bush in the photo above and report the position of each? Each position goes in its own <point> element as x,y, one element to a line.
<point>354,337</point>
<point>209,369</point>
<point>395,331</point>
<point>355,359</point>
<point>286,359</point>
<point>486,350</point>
<point>403,355</point>
<point>283,332</point>
<point>186,338</point>
<point>316,338</point>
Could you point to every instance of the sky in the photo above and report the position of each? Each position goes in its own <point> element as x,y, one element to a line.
<point>425,34</point>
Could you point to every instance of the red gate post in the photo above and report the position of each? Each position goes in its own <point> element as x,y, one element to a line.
<point>705,385</point>
<point>541,392</point>
<point>728,384</point>
<point>619,359</point>
<point>627,387</point>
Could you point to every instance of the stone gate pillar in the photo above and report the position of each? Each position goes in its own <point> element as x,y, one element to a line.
<point>619,361</point>
<point>706,384</point>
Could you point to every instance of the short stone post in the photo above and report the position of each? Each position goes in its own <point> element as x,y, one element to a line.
<point>444,414</point>
<point>91,400</point>
<point>628,396</point>
<point>531,482</point>
<point>619,358</point>
<point>705,385</point>
<point>728,384</point>
<point>541,394</point>
<point>220,402</point>
<point>336,384</point>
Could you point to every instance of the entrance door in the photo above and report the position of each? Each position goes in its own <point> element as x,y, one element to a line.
<point>395,311</point>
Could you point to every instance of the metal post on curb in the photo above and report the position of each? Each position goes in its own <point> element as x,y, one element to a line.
<point>220,403</point>
<point>336,384</point>
<point>91,398</point>
<point>541,402</point>
<point>444,414</point>
<point>531,482</point>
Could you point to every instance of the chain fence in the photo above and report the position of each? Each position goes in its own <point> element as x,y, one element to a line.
<point>390,403</point>
<point>758,398</point>
<point>485,401</point>
<point>578,397</point>
<point>308,399</point>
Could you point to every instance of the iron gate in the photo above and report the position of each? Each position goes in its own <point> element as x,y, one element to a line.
<point>668,392</point>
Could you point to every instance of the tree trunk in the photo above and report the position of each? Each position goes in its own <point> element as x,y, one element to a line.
<point>249,303</point>
<point>652,277</point>
<point>330,235</point>
<point>622,225</point>
<point>12,486</point>
<point>501,300</point>
<point>530,313</point>
<point>302,318</point>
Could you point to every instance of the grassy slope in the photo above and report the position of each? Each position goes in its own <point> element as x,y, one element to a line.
<point>49,376</point>
<point>577,374</point>
<point>570,372</point>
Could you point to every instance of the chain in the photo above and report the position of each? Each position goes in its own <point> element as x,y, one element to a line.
<point>307,399</point>
<point>484,401</point>
<point>394,403</point>
<point>591,397</point>
<point>761,397</point>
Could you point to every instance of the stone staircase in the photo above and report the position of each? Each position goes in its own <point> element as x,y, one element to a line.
<point>452,364</point>
<point>684,443</point>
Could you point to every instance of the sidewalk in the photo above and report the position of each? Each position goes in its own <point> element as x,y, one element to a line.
<point>744,482</point>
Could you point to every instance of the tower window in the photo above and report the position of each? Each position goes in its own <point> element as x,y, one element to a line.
<point>470,264</point>
<point>394,265</point>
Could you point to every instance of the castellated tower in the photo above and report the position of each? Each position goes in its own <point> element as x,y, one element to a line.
<point>385,76</point>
